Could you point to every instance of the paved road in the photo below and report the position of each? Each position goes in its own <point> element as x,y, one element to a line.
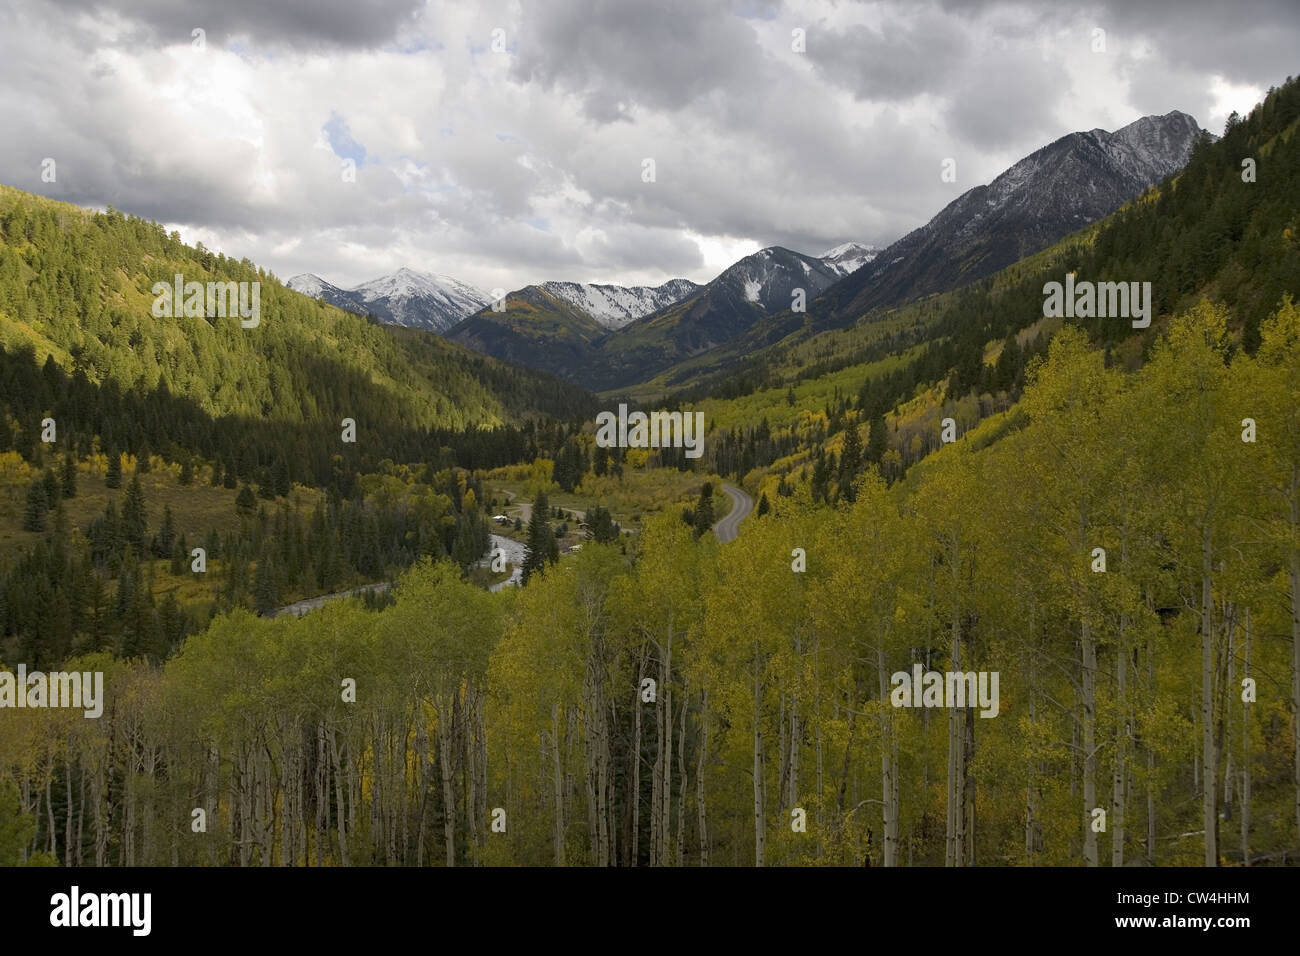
<point>311,604</point>
<point>741,505</point>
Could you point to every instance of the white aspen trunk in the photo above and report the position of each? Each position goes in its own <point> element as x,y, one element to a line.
<point>1225,719</point>
<point>322,795</point>
<point>1294,575</point>
<point>604,854</point>
<point>1245,759</point>
<point>888,743</point>
<point>1029,784</point>
<point>955,850</point>
<point>591,758</point>
<point>558,785</point>
<point>344,856</point>
<point>1151,759</point>
<point>666,774</point>
<point>67,814</point>
<point>1120,769</point>
<point>680,858</point>
<point>968,761</point>
<point>760,826</point>
<point>821,792</point>
<point>796,737</point>
<point>1089,655</point>
<point>699,779</point>
<point>81,812</point>
<point>1209,790</point>
<point>635,797</point>
<point>444,711</point>
<point>657,771</point>
<point>783,759</point>
<point>473,710</point>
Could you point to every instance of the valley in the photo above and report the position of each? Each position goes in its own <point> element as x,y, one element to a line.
<point>690,641</point>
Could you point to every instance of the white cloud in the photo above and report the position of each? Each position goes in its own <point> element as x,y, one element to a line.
<point>506,169</point>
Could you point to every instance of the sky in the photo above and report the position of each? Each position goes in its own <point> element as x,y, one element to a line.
<point>505,142</point>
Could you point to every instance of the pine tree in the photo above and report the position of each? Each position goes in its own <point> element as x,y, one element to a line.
<point>37,506</point>
<point>850,461</point>
<point>166,534</point>
<point>704,510</point>
<point>877,440</point>
<point>113,479</point>
<point>763,506</point>
<point>69,483</point>
<point>541,545</point>
<point>135,517</point>
<point>187,471</point>
<point>246,501</point>
<point>53,488</point>
<point>265,593</point>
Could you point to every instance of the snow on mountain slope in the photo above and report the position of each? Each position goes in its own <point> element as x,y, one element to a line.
<point>1055,190</point>
<point>848,257</point>
<point>317,288</point>
<point>614,306</point>
<point>410,298</point>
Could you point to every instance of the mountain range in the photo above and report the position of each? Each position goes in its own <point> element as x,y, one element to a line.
<point>1067,185</point>
<point>610,337</point>
<point>1064,186</point>
<point>417,300</point>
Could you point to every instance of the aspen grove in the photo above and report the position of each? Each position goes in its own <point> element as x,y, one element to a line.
<point>1123,548</point>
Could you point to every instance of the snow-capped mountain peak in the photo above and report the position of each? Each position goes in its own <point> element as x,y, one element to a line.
<point>849,256</point>
<point>614,306</point>
<point>406,297</point>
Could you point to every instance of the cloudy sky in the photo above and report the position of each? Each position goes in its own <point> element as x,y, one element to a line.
<point>505,142</point>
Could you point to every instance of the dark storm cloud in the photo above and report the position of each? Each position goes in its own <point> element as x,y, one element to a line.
<point>661,55</point>
<point>515,168</point>
<point>343,23</point>
<point>1009,103</point>
<point>904,58</point>
<point>1246,41</point>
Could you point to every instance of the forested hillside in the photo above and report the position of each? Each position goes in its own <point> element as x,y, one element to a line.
<point>1155,682</point>
<point>310,452</point>
<point>1211,231</point>
<point>77,285</point>
<point>1108,526</point>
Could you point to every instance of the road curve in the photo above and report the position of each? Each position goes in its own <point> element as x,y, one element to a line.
<point>311,604</point>
<point>741,505</point>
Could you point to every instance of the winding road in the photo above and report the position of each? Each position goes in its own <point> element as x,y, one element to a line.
<point>726,530</point>
<point>302,607</point>
<point>741,505</point>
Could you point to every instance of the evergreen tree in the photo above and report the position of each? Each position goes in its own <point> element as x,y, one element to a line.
<point>37,506</point>
<point>541,548</point>
<point>246,501</point>
<point>604,529</point>
<point>763,506</point>
<point>166,534</point>
<point>135,517</point>
<point>69,483</point>
<point>877,440</point>
<point>850,461</point>
<point>265,593</point>
<point>53,488</point>
<point>704,510</point>
<point>113,479</point>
